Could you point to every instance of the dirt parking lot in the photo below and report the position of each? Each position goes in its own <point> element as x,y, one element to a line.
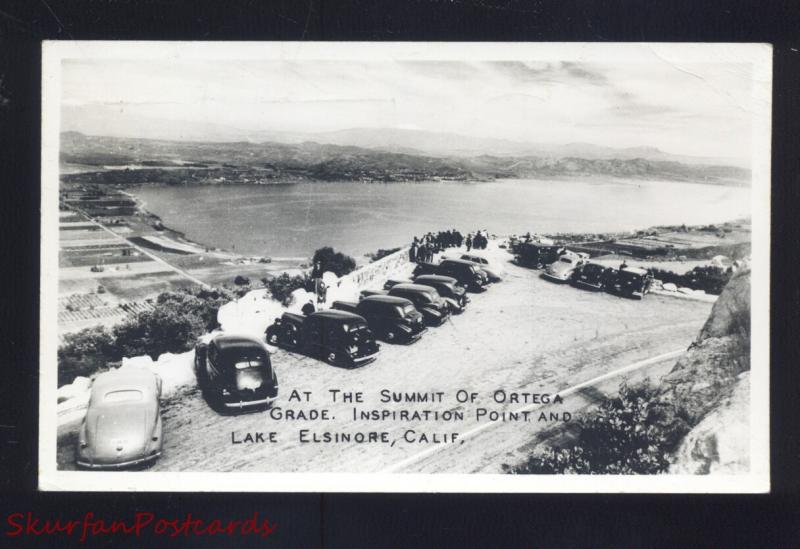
<point>524,335</point>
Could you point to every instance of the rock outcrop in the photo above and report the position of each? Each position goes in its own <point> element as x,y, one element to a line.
<point>720,443</point>
<point>703,399</point>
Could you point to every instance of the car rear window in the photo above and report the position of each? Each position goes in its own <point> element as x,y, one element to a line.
<point>129,395</point>
<point>248,363</point>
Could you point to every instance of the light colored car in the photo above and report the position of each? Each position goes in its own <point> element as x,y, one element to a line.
<point>564,269</point>
<point>122,427</point>
<point>491,270</point>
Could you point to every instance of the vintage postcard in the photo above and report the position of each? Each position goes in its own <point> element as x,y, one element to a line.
<point>405,267</point>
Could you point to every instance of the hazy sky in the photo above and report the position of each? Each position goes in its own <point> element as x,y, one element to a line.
<point>697,109</point>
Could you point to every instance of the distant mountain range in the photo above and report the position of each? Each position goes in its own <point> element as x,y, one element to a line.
<point>97,120</point>
<point>385,155</point>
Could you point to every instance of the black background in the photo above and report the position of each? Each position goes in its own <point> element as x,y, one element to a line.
<point>353,520</point>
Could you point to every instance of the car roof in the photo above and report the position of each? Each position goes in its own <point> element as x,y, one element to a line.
<point>390,299</point>
<point>414,288</point>
<point>437,278</point>
<point>294,316</point>
<point>335,314</point>
<point>635,270</point>
<point>225,342</point>
<point>459,261</point>
<point>125,378</point>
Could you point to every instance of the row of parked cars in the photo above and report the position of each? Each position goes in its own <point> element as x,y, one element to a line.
<point>401,312</point>
<point>576,269</point>
<point>123,427</point>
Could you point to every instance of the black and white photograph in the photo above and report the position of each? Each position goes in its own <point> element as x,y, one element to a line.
<point>405,267</point>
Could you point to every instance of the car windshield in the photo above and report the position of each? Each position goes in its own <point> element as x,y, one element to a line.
<point>130,395</point>
<point>432,296</point>
<point>567,260</point>
<point>243,364</point>
<point>407,309</point>
<point>353,328</point>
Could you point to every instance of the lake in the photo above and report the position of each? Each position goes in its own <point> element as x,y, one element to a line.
<point>293,220</point>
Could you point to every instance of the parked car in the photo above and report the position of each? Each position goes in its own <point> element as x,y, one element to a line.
<point>122,426</point>
<point>394,282</point>
<point>425,268</point>
<point>371,293</point>
<point>392,319</point>
<point>564,268</point>
<point>341,338</point>
<point>469,275</point>
<point>537,256</point>
<point>426,300</point>
<point>235,373</point>
<point>630,282</point>
<point>591,276</point>
<point>486,267</point>
<point>448,287</point>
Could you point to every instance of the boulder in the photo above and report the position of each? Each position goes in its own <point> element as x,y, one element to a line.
<point>731,312</point>
<point>704,378</point>
<point>720,443</point>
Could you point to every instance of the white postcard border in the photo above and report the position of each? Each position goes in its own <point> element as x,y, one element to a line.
<point>757,481</point>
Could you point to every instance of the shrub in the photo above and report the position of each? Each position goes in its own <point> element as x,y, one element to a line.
<point>201,302</point>
<point>281,287</point>
<point>165,329</point>
<point>618,437</point>
<point>174,325</point>
<point>241,280</point>
<point>85,352</point>
<point>381,253</point>
<point>709,279</point>
<point>333,261</point>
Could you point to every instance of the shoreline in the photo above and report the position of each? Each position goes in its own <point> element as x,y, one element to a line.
<point>161,230</point>
<point>571,237</point>
<point>76,170</point>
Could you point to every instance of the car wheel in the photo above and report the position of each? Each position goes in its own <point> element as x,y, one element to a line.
<point>332,358</point>
<point>390,336</point>
<point>272,338</point>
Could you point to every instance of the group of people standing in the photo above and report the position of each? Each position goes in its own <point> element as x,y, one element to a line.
<point>423,249</point>
<point>479,241</point>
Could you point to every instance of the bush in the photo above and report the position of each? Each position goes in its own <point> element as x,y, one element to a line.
<point>201,302</point>
<point>85,352</point>
<point>281,287</point>
<point>381,253</point>
<point>618,437</point>
<point>333,261</point>
<point>174,325</point>
<point>241,280</point>
<point>709,279</point>
<point>165,329</point>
